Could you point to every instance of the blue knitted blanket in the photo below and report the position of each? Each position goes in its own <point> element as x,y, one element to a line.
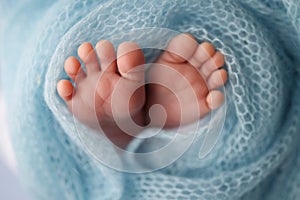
<point>247,149</point>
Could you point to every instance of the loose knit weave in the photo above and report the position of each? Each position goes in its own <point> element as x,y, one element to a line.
<point>256,155</point>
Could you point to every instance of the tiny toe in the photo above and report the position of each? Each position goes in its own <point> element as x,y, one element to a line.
<point>73,69</point>
<point>214,99</point>
<point>212,64</point>
<point>180,49</point>
<point>65,90</point>
<point>204,52</point>
<point>217,79</point>
<point>88,55</point>
<point>107,56</point>
<point>130,56</point>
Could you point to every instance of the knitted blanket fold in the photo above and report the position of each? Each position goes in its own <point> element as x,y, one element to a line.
<point>247,149</point>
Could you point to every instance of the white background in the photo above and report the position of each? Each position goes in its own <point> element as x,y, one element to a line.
<point>10,188</point>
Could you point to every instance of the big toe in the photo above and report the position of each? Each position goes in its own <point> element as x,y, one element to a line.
<point>130,61</point>
<point>180,49</point>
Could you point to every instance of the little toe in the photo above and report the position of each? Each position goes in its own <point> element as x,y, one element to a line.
<point>130,56</point>
<point>212,64</point>
<point>107,56</point>
<point>180,49</point>
<point>217,79</point>
<point>73,69</point>
<point>65,90</point>
<point>203,53</point>
<point>214,99</point>
<point>88,55</point>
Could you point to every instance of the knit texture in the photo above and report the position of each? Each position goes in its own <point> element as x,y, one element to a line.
<point>256,155</point>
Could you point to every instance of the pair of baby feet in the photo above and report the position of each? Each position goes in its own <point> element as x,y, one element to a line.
<point>112,87</point>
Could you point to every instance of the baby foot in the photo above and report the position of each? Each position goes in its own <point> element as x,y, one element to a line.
<point>193,73</point>
<point>90,100</point>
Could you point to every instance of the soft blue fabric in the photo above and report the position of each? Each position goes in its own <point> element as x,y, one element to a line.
<point>257,154</point>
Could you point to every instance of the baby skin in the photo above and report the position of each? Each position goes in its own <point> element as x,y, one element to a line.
<point>183,80</point>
